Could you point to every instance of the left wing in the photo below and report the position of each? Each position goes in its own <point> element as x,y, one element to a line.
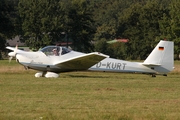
<point>82,62</point>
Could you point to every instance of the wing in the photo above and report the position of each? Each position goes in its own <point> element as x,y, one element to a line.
<point>82,62</point>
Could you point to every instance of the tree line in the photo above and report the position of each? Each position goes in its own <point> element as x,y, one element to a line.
<point>91,23</point>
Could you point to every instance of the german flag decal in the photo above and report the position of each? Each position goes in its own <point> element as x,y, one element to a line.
<point>161,48</point>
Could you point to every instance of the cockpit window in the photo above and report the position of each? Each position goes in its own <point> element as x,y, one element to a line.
<point>55,50</point>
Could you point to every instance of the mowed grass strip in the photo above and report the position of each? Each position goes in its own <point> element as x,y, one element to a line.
<point>87,95</point>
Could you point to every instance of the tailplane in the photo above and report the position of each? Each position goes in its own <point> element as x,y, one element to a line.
<point>161,58</point>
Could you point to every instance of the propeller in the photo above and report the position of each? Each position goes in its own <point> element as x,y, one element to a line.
<point>10,58</point>
<point>13,54</point>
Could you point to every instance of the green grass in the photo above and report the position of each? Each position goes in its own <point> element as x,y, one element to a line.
<point>87,95</point>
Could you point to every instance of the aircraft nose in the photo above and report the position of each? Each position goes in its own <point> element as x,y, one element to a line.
<point>21,58</point>
<point>18,58</point>
<point>12,54</point>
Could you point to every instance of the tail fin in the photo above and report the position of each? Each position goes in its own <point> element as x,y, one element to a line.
<point>161,58</point>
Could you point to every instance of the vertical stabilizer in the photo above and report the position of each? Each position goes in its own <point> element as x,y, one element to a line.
<point>161,58</point>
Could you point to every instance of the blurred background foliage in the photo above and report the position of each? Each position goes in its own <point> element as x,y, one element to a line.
<point>90,24</point>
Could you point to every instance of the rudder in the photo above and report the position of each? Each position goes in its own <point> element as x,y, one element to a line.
<point>161,58</point>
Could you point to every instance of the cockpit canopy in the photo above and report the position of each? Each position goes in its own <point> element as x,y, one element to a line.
<point>55,50</point>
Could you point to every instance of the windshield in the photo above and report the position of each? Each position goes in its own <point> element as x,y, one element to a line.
<point>55,50</point>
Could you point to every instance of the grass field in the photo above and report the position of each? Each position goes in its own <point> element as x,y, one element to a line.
<point>88,95</point>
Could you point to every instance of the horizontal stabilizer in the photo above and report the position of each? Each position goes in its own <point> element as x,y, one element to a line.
<point>82,62</point>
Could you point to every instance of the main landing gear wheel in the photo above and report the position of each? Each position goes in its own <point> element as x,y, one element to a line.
<point>153,75</point>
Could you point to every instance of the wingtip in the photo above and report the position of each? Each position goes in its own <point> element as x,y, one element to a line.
<point>99,53</point>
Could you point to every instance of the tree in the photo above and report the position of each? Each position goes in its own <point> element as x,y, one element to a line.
<point>79,24</point>
<point>101,46</point>
<point>137,20</point>
<point>7,8</point>
<point>140,24</point>
<point>175,25</point>
<point>106,14</point>
<point>41,21</point>
<point>45,20</point>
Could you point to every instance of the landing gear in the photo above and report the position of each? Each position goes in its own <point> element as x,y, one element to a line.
<point>39,74</point>
<point>51,75</point>
<point>153,75</point>
<point>47,75</point>
<point>26,67</point>
<point>164,74</point>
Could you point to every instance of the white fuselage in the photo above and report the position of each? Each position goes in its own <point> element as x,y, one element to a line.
<point>115,65</point>
<point>39,61</point>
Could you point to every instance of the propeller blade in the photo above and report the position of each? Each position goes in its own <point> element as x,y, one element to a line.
<point>10,58</point>
<point>13,54</point>
<point>16,48</point>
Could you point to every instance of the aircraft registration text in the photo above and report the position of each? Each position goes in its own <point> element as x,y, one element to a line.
<point>111,65</point>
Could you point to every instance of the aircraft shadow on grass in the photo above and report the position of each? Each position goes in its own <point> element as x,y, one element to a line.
<point>88,76</point>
